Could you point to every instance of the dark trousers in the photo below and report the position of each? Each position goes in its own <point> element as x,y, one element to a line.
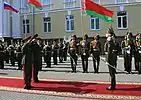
<point>96,61</point>
<point>19,63</point>
<point>12,60</point>
<point>36,67</point>
<point>73,59</point>
<point>65,54</point>
<point>55,58</point>
<point>84,63</point>
<point>1,64</point>
<point>48,60</point>
<point>127,62</point>
<point>61,56</point>
<point>27,72</point>
<point>112,73</point>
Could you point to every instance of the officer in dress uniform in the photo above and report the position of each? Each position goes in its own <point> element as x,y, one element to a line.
<point>47,52</point>
<point>128,47</point>
<point>55,49</point>
<point>2,55</point>
<point>36,59</point>
<point>27,61</point>
<point>19,55</point>
<point>137,54</point>
<point>85,48</point>
<point>61,51</point>
<point>73,51</point>
<point>111,51</point>
<point>95,48</point>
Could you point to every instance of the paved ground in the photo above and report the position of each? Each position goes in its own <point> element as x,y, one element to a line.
<point>63,71</point>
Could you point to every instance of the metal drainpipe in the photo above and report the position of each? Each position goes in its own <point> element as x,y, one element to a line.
<point>33,21</point>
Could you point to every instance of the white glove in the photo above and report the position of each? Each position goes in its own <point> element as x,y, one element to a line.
<point>106,63</point>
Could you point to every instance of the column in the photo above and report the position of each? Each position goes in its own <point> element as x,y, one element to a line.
<point>16,29</point>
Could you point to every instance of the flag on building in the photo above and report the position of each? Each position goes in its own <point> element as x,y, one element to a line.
<point>9,7</point>
<point>35,3</point>
<point>93,9</point>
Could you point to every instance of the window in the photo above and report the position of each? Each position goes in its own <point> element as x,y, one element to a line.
<point>122,22</point>
<point>69,23</point>
<point>47,24</point>
<point>26,26</point>
<point>94,23</point>
<point>122,1</point>
<point>69,3</point>
<point>46,2</point>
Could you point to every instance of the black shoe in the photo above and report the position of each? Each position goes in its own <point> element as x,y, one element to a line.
<point>36,81</point>
<point>110,88</point>
<point>27,87</point>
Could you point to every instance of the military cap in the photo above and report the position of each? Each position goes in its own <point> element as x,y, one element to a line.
<point>86,36</point>
<point>97,37</point>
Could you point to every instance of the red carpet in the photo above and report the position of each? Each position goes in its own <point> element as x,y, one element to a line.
<point>75,87</point>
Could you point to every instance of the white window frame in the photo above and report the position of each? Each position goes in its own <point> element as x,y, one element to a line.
<point>94,18</point>
<point>25,24</point>
<point>117,2</point>
<point>69,2</point>
<point>69,23</point>
<point>47,25</point>
<point>122,21</point>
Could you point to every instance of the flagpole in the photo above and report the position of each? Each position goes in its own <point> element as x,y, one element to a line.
<point>2,18</point>
<point>82,27</point>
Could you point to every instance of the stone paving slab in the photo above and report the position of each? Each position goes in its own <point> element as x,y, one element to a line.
<point>5,95</point>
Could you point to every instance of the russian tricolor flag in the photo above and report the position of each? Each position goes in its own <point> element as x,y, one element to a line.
<point>9,7</point>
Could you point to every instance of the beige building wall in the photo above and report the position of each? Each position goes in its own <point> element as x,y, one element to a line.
<point>58,13</point>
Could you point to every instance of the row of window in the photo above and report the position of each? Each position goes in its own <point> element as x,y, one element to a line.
<point>67,3</point>
<point>122,23</point>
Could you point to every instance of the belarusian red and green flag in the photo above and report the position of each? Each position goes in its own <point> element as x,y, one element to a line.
<point>35,3</point>
<point>96,10</point>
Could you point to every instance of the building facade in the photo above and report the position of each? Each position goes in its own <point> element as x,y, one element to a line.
<point>61,18</point>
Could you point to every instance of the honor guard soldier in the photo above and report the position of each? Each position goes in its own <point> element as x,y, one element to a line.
<point>47,52</point>
<point>65,49</point>
<point>137,54</point>
<point>73,50</point>
<point>95,49</point>
<point>11,49</point>
<point>128,47</point>
<point>19,55</point>
<point>61,51</point>
<point>85,47</point>
<point>55,49</point>
<point>2,55</point>
<point>111,50</point>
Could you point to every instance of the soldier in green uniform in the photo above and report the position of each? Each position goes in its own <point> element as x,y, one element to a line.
<point>61,51</point>
<point>19,55</point>
<point>12,53</point>
<point>95,49</point>
<point>27,61</point>
<point>128,48</point>
<point>47,52</point>
<point>36,50</point>
<point>55,49</point>
<point>73,51</point>
<point>85,48</point>
<point>137,53</point>
<point>111,51</point>
<point>2,55</point>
